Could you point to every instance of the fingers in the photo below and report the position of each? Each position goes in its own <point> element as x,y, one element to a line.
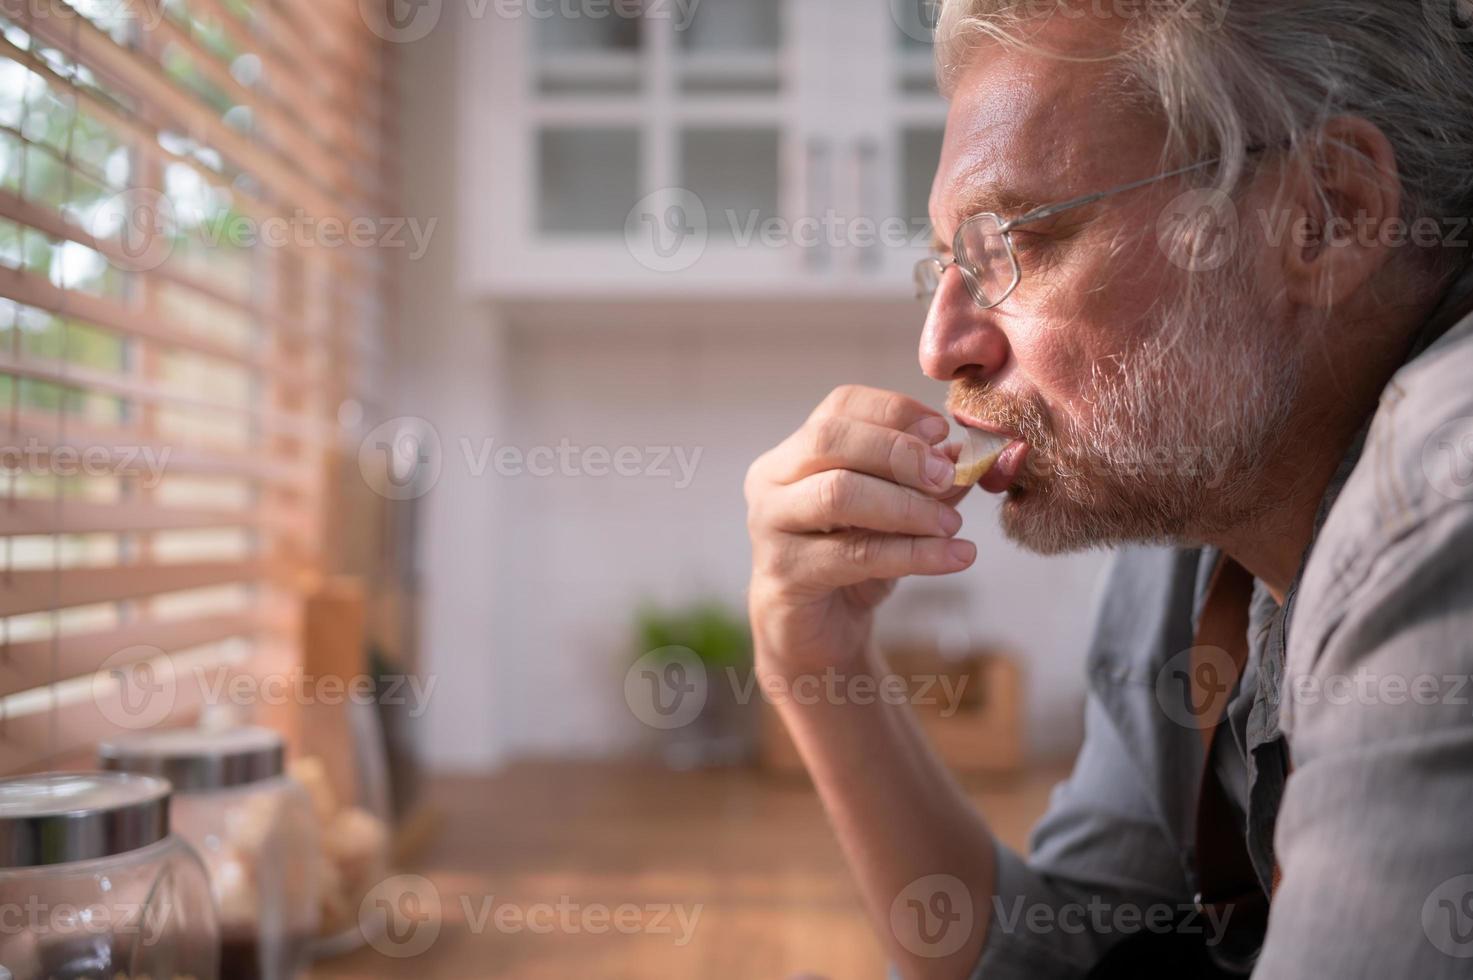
<point>837,443</point>
<point>884,408</point>
<point>848,558</point>
<point>861,493</point>
<point>838,499</point>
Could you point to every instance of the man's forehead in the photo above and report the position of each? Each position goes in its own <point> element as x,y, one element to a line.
<point>1026,129</point>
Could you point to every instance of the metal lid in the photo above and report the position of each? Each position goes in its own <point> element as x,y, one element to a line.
<point>197,759</point>
<point>60,817</point>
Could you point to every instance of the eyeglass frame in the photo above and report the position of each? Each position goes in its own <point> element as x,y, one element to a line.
<point>1005,229</point>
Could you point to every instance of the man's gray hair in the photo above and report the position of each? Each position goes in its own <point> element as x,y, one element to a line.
<point>1229,75</point>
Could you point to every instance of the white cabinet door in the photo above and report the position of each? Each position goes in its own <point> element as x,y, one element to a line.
<point>724,147</point>
<point>889,138</point>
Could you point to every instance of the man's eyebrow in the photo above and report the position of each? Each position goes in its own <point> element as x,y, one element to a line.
<point>1004,202</point>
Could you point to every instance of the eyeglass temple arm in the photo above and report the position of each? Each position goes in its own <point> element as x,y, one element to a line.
<point>1048,211</point>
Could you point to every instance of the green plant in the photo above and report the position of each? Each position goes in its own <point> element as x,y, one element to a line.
<point>717,636</point>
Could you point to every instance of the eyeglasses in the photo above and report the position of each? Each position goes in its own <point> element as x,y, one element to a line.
<point>984,251</point>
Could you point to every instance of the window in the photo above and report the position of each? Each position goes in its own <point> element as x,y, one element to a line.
<point>184,311</point>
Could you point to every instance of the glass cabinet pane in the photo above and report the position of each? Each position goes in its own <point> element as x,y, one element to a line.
<point>575,53</point>
<point>736,175</point>
<point>588,179</point>
<point>920,152</point>
<point>731,47</point>
<point>734,25</point>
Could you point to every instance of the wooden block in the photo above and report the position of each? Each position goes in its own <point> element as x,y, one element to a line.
<point>333,633</point>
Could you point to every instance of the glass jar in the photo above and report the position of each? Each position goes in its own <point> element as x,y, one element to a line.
<point>355,851</point>
<point>92,883</point>
<point>254,828</point>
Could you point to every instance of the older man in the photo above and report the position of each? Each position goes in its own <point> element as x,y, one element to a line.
<point>1206,266</point>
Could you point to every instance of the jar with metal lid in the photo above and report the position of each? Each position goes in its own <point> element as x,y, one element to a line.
<point>254,828</point>
<point>93,884</point>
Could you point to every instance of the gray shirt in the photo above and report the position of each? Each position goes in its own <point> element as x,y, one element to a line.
<point>1362,677</point>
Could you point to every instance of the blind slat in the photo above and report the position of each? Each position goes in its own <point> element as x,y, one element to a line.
<point>303,427</point>
<point>32,290</point>
<point>81,39</point>
<point>72,729</point>
<point>30,591</point>
<point>144,140</point>
<point>36,663</point>
<point>124,451</point>
<point>161,414</point>
<point>53,225</point>
<point>82,517</point>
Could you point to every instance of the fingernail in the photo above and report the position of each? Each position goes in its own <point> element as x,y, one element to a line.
<point>932,429</point>
<point>962,551</point>
<point>951,521</point>
<point>939,470</point>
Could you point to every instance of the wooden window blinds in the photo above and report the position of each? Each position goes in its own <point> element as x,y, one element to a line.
<point>181,325</point>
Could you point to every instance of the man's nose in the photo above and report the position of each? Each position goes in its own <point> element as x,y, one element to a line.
<point>961,340</point>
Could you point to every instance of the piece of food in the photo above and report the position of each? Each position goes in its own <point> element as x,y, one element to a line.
<point>979,454</point>
<point>358,842</point>
<point>312,774</point>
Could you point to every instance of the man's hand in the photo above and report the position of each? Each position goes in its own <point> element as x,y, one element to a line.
<point>858,497</point>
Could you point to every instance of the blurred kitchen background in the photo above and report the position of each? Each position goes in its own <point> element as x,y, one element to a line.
<point>610,251</point>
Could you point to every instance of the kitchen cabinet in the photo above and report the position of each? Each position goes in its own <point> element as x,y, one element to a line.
<point>696,148</point>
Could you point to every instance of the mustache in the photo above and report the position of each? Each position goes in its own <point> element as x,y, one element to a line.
<point>1026,416</point>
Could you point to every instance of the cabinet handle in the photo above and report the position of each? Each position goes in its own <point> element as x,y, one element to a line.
<point>817,196</point>
<point>866,169</point>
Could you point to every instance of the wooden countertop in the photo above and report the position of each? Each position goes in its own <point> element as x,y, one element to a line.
<point>552,871</point>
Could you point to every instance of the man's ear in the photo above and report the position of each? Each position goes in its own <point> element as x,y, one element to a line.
<point>1344,203</point>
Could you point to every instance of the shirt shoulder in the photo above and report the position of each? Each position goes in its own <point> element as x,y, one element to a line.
<point>1409,497</point>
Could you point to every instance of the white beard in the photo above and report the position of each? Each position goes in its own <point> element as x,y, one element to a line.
<point>1177,438</point>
